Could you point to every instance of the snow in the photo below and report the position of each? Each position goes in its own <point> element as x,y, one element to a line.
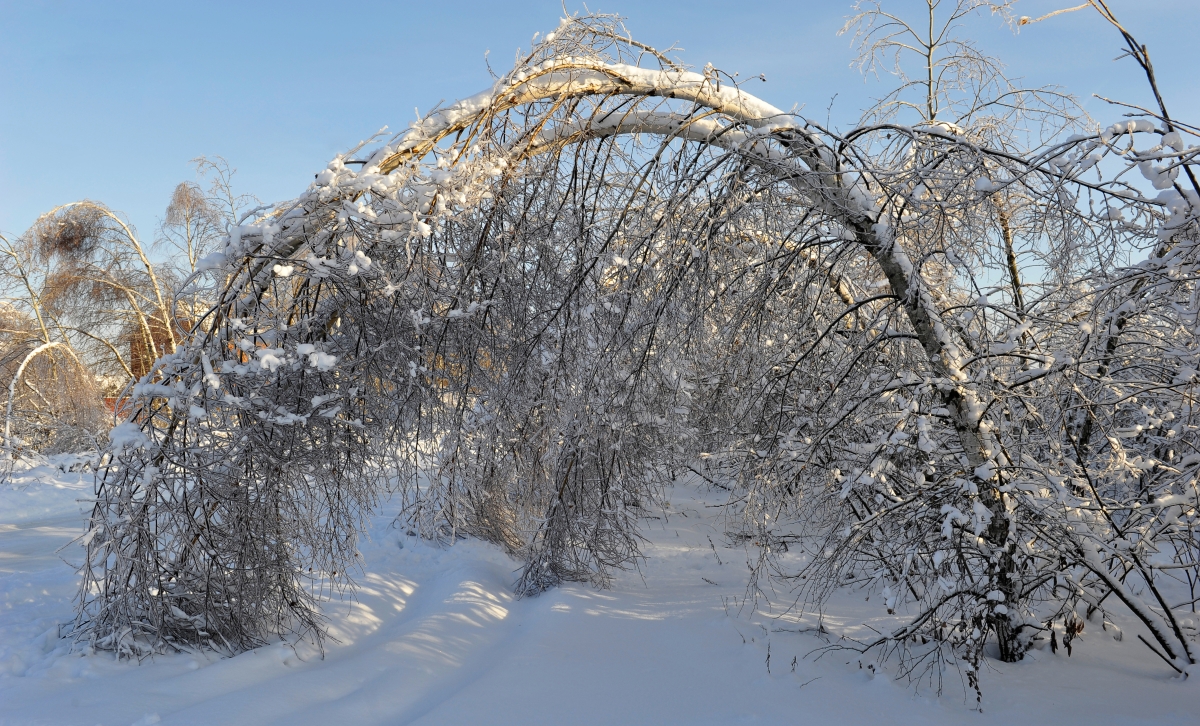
<point>214,261</point>
<point>128,434</point>
<point>435,636</point>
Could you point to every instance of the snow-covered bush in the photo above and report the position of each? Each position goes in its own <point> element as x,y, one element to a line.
<point>924,356</point>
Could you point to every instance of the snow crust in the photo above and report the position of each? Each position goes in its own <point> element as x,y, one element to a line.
<point>436,637</point>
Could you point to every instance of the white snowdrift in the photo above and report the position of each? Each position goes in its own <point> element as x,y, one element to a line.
<point>436,637</point>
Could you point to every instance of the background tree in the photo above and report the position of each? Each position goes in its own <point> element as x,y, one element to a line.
<point>51,397</point>
<point>89,308</point>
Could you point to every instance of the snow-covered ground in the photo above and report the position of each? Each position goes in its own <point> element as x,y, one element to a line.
<point>435,636</point>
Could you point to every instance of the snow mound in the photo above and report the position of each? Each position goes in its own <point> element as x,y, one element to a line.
<point>435,636</point>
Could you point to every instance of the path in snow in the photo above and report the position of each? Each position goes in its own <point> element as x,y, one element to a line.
<point>436,637</point>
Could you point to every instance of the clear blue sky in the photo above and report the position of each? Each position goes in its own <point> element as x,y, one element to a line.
<point>110,100</point>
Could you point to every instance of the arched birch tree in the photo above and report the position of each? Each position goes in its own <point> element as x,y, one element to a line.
<point>536,306</point>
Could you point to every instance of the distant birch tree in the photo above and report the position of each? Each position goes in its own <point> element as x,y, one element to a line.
<point>88,307</point>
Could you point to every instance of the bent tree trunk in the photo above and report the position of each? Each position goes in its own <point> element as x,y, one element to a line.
<point>966,416</point>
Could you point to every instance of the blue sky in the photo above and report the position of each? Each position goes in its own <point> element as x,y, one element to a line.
<point>110,100</point>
